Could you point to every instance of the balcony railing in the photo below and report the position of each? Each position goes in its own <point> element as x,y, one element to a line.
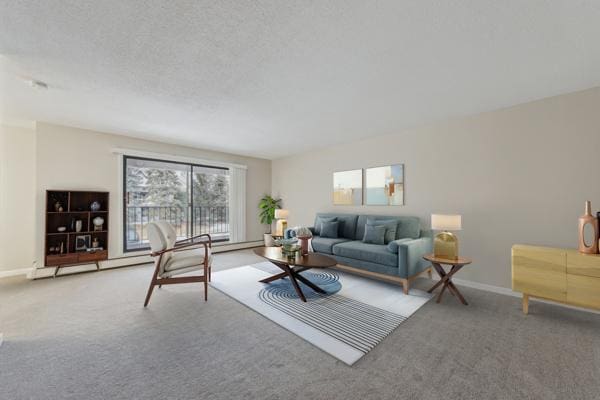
<point>213,220</point>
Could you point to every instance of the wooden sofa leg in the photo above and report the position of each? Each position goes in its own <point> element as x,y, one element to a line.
<point>205,289</point>
<point>405,286</point>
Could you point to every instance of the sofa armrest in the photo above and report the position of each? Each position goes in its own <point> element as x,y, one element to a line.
<point>410,256</point>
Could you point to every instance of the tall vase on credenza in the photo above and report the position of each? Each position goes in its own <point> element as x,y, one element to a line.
<point>587,219</point>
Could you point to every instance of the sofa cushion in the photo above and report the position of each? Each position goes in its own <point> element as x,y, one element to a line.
<point>325,245</point>
<point>374,234</point>
<point>329,229</point>
<point>391,225</point>
<point>319,223</point>
<point>375,253</point>
<point>347,223</point>
<point>408,227</point>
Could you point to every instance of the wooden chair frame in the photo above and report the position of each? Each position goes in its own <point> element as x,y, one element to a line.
<point>182,246</point>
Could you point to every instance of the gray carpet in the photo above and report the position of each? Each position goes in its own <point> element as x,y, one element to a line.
<point>88,337</point>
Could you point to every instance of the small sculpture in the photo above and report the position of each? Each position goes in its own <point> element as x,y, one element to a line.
<point>95,206</point>
<point>98,223</point>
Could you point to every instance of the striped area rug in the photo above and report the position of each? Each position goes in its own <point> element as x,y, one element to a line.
<point>356,316</point>
<point>357,324</point>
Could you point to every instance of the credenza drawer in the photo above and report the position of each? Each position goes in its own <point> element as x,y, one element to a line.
<point>540,272</point>
<point>583,264</point>
<point>583,291</point>
<point>61,259</point>
<point>95,256</point>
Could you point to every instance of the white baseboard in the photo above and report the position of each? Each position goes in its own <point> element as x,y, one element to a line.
<point>510,292</point>
<point>39,273</point>
<point>15,272</point>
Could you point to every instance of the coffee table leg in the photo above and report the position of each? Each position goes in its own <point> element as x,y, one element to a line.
<point>274,277</point>
<point>309,284</point>
<point>295,284</point>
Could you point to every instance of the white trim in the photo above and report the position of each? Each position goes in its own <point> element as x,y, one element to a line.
<point>173,157</point>
<point>509,292</point>
<point>39,273</point>
<point>15,272</point>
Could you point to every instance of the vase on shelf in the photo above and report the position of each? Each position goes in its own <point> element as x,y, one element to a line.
<point>588,222</point>
<point>78,225</point>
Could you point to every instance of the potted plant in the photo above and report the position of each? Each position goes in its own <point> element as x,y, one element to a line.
<point>267,206</point>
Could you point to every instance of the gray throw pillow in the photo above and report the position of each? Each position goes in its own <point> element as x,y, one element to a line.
<point>330,229</point>
<point>391,225</point>
<point>393,245</point>
<point>374,234</point>
<point>319,223</point>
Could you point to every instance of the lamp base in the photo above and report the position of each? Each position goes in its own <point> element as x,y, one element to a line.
<point>280,227</point>
<point>445,245</point>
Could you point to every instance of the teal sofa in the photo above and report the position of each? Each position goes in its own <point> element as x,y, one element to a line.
<point>401,260</point>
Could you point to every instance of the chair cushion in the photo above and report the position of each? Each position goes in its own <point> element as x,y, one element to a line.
<point>187,259</point>
<point>329,229</point>
<point>325,245</point>
<point>374,253</point>
<point>374,234</point>
<point>391,225</point>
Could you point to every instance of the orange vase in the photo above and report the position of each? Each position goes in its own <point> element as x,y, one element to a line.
<point>585,219</point>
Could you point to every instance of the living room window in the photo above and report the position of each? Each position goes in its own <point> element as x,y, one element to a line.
<point>193,198</point>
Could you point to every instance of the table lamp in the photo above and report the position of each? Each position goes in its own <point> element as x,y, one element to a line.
<point>281,217</point>
<point>445,244</point>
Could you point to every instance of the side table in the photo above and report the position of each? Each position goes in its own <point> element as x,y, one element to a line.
<point>446,278</point>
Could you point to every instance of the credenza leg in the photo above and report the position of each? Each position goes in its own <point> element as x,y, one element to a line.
<point>525,304</point>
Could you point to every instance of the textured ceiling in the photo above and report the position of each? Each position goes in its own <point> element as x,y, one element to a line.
<point>269,78</point>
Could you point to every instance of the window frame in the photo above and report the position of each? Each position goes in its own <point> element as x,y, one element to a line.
<point>191,165</point>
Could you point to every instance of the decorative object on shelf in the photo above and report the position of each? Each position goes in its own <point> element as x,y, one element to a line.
<point>58,206</point>
<point>82,242</point>
<point>384,186</point>
<point>348,188</point>
<point>62,247</point>
<point>98,223</point>
<point>588,229</point>
<point>281,225</point>
<point>95,243</point>
<point>304,235</point>
<point>267,206</point>
<point>78,225</point>
<point>445,244</point>
<point>95,206</point>
<point>61,228</point>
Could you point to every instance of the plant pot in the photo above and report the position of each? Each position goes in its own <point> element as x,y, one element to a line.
<point>269,241</point>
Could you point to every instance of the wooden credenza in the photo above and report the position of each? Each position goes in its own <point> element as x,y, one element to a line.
<point>561,275</point>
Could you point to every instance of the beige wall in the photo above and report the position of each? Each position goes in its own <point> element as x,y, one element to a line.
<point>71,158</point>
<point>518,175</point>
<point>17,197</point>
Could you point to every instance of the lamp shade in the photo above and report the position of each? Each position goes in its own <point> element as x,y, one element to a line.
<point>281,213</point>
<point>441,222</point>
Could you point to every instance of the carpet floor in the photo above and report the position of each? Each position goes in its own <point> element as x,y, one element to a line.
<point>88,336</point>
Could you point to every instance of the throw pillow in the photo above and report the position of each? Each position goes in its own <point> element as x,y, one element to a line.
<point>393,245</point>
<point>320,221</point>
<point>374,234</point>
<point>390,227</point>
<point>330,229</point>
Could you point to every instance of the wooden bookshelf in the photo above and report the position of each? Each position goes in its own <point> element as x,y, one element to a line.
<point>72,246</point>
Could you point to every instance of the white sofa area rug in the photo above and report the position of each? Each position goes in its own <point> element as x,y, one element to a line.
<point>346,324</point>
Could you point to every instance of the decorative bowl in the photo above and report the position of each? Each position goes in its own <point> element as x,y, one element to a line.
<point>61,228</point>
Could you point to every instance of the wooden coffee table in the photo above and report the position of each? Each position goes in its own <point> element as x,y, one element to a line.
<point>292,268</point>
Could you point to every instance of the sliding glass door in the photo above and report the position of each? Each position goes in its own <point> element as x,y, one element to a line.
<point>194,199</point>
